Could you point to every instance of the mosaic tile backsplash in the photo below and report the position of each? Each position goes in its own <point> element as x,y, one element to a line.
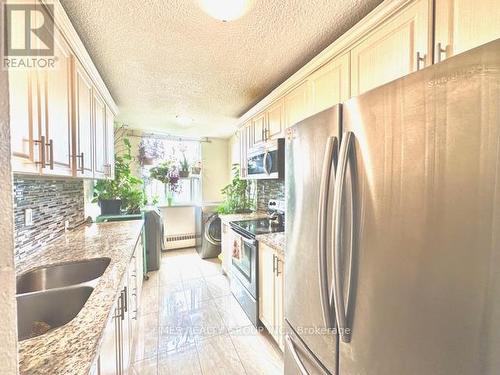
<point>53,202</point>
<point>269,189</point>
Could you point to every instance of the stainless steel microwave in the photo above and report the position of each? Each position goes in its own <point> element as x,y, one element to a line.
<point>267,161</point>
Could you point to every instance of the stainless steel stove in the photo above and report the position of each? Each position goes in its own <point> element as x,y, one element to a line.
<point>244,261</point>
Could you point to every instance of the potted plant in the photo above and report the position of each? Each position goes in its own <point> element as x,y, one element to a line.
<point>237,195</point>
<point>167,173</point>
<point>184,167</point>
<point>196,168</point>
<point>125,192</point>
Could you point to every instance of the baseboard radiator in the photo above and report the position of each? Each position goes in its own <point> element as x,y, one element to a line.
<point>180,241</point>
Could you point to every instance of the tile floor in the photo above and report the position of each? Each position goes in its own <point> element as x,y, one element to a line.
<point>191,324</point>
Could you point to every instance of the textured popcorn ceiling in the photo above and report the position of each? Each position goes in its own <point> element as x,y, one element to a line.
<point>163,58</point>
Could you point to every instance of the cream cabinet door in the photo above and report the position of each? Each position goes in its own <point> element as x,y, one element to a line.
<point>227,247</point>
<point>109,356</point>
<point>279,298</point>
<point>330,84</point>
<point>399,46</point>
<point>267,262</point>
<point>275,120</point>
<point>461,25</point>
<point>83,124</point>
<point>56,109</point>
<point>24,121</point>
<point>243,141</point>
<point>110,144</point>
<point>259,129</point>
<point>296,104</point>
<point>100,143</point>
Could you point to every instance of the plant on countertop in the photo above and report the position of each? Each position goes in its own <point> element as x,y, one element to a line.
<point>237,195</point>
<point>125,186</point>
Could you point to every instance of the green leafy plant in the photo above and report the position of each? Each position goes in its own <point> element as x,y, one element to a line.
<point>184,164</point>
<point>124,186</point>
<point>237,195</point>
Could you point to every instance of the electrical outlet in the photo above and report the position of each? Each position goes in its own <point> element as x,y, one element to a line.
<point>28,217</point>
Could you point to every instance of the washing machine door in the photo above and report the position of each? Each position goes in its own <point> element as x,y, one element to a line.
<point>213,230</point>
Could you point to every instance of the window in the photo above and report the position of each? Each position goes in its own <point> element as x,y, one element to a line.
<point>189,187</point>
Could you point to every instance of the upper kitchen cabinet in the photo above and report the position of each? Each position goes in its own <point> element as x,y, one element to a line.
<point>296,104</point>
<point>259,129</point>
<point>26,142</point>
<point>243,141</point>
<point>275,120</point>
<point>330,84</point>
<point>110,144</point>
<point>461,25</point>
<point>60,115</point>
<point>56,125</point>
<point>100,144</point>
<point>84,140</point>
<point>397,47</point>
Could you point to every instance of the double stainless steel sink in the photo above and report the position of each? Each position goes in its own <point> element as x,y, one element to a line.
<point>49,297</point>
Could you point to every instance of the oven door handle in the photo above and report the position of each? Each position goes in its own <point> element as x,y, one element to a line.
<point>244,238</point>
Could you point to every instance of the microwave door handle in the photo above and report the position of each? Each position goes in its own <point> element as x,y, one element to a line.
<point>266,155</point>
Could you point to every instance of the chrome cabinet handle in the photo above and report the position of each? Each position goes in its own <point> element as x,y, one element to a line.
<point>82,160</point>
<point>439,51</point>
<point>295,355</point>
<point>340,308</point>
<point>41,149</point>
<point>274,264</point>
<point>420,58</point>
<point>125,297</point>
<point>51,153</point>
<point>278,272</point>
<point>122,306</point>
<point>322,212</point>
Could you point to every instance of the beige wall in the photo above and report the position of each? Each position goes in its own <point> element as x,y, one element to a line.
<point>215,173</point>
<point>8,324</point>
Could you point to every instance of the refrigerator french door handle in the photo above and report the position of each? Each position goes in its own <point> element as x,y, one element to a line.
<point>340,307</point>
<point>295,355</point>
<point>322,216</point>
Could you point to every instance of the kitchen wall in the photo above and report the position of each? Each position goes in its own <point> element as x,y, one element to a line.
<point>8,317</point>
<point>215,174</point>
<point>268,189</point>
<point>53,202</point>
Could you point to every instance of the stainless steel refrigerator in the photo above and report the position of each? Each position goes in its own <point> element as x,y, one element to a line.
<point>393,227</point>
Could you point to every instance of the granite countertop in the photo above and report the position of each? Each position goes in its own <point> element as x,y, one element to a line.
<point>275,240</point>
<point>237,217</point>
<point>73,348</point>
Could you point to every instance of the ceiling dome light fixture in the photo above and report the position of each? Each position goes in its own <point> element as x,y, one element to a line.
<point>225,10</point>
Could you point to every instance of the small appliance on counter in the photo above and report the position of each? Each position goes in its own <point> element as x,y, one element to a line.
<point>244,259</point>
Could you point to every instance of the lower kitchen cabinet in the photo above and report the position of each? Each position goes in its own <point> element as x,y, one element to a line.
<point>226,247</point>
<point>271,292</point>
<point>115,356</point>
